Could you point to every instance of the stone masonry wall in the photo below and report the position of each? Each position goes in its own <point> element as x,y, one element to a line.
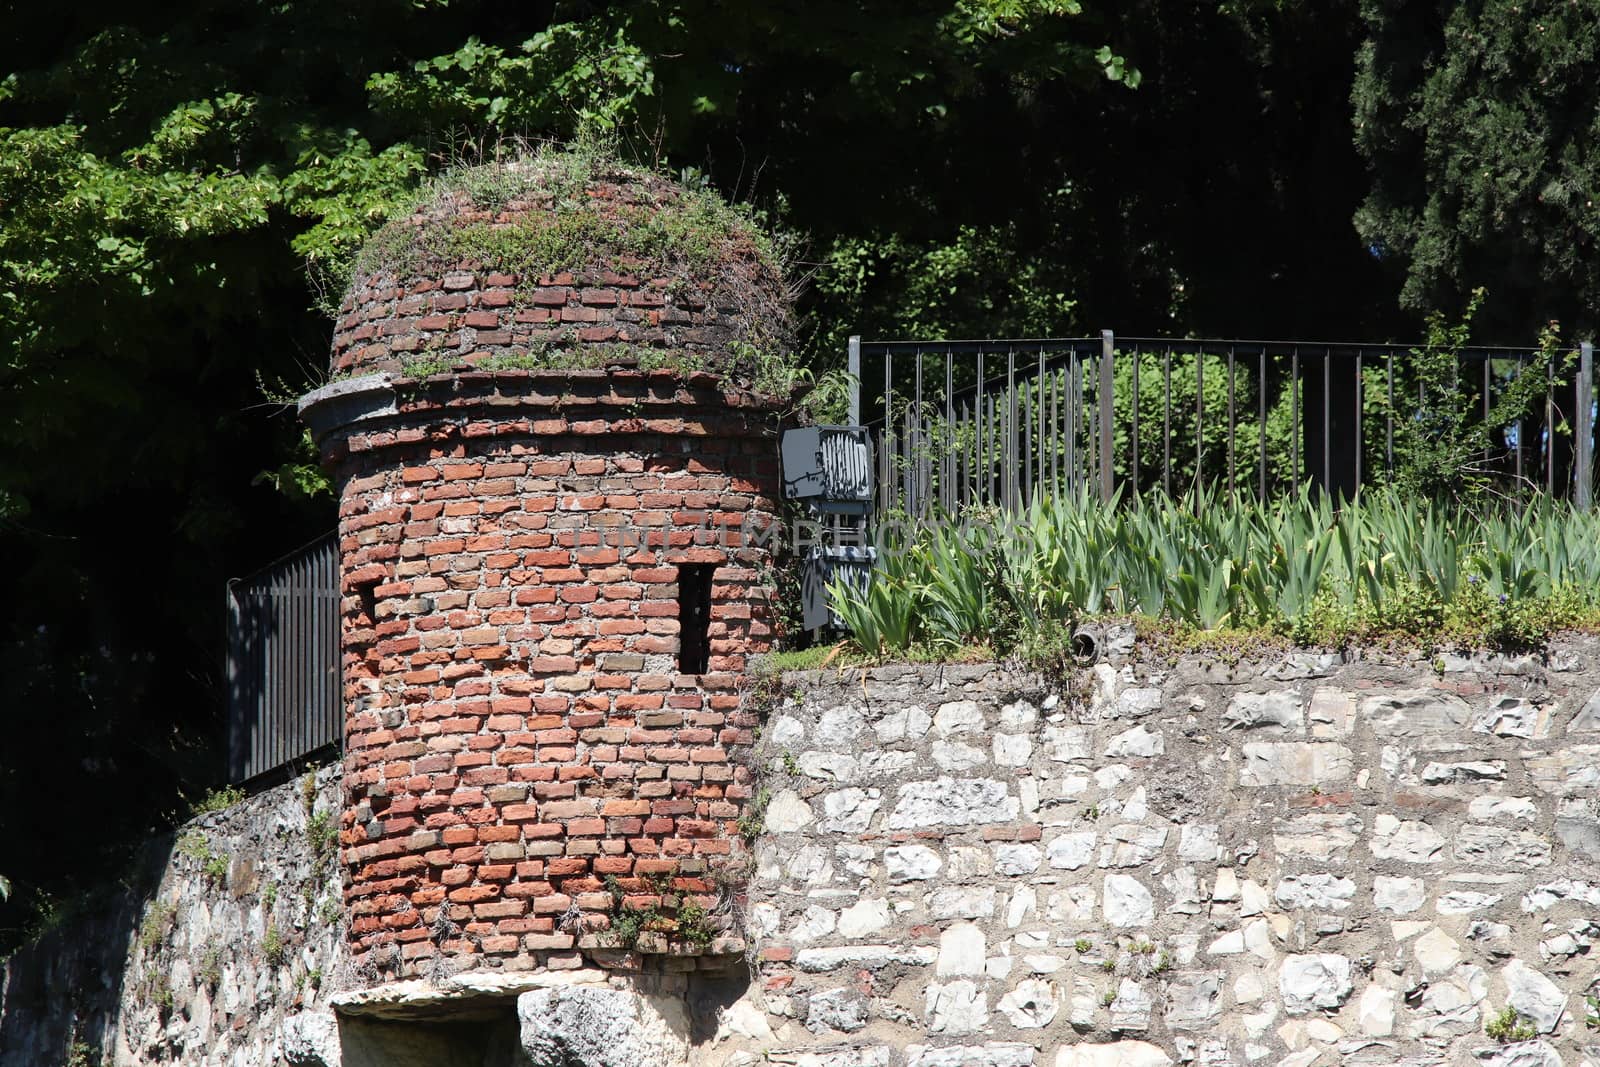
<point>1302,862</point>
<point>223,945</point>
<point>521,746</point>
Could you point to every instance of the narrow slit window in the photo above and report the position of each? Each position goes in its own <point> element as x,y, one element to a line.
<point>694,617</point>
<point>368,592</point>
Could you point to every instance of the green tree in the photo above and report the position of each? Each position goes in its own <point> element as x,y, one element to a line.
<point>1479,120</point>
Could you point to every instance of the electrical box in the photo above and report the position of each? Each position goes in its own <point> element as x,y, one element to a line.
<point>829,467</point>
<point>851,563</point>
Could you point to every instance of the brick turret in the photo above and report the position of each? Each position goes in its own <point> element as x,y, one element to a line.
<point>552,579</point>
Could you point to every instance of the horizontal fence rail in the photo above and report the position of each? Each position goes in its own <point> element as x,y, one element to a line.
<point>284,700</point>
<point>993,423</point>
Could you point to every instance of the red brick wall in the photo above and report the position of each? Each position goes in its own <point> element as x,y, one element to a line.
<point>475,316</point>
<point>517,730</point>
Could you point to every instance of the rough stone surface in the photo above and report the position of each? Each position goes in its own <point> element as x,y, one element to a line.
<point>1299,861</point>
<point>311,1039</point>
<point>227,950</point>
<point>601,1027</point>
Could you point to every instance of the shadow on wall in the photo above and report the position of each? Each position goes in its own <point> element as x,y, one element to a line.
<point>583,1018</point>
<point>219,936</point>
<point>60,996</point>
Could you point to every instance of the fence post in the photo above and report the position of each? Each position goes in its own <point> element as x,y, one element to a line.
<point>1583,431</point>
<point>853,367</point>
<point>1103,403</point>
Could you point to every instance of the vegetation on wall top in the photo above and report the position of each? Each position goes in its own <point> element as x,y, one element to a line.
<point>535,212</point>
<point>1384,568</point>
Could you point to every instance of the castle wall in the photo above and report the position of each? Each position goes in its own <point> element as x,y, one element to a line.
<point>1304,861</point>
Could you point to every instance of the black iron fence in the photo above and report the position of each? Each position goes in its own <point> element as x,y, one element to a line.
<point>994,422</point>
<point>284,702</point>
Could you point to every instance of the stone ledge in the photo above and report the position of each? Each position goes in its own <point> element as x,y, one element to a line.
<point>459,996</point>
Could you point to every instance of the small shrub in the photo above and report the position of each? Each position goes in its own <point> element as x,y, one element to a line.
<point>269,897</point>
<point>217,800</point>
<point>209,970</point>
<point>805,659</point>
<point>214,865</point>
<point>274,947</point>
<point>1508,1026</point>
<point>1109,997</point>
<point>694,924</point>
<point>1083,944</point>
<point>322,834</point>
<point>157,923</point>
<point>308,790</point>
<point>330,912</point>
<point>163,998</point>
<point>1108,964</point>
<point>753,819</point>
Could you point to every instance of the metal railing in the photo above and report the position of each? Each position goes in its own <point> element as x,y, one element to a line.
<point>995,422</point>
<point>284,700</point>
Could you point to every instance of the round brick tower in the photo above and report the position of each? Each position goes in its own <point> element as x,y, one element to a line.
<point>554,440</point>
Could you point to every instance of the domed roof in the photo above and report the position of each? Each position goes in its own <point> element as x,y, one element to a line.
<point>565,259</point>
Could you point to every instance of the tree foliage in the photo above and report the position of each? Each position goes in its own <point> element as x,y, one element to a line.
<point>1480,121</point>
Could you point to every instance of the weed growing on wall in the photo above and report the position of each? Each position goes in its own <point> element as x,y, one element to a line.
<point>213,864</point>
<point>1508,1026</point>
<point>217,800</point>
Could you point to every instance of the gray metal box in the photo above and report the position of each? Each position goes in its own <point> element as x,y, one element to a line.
<point>851,563</point>
<point>829,467</point>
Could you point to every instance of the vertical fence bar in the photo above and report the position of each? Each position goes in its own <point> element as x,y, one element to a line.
<point>1039,397</point>
<point>233,676</point>
<point>1294,415</point>
<point>888,430</point>
<point>1327,435</point>
<point>1133,459</point>
<point>1166,420</point>
<point>1232,472</point>
<point>917,442</point>
<point>853,368</point>
<point>1488,442</point>
<point>1103,393</point>
<point>1261,423</point>
<point>1199,418</point>
<point>1583,430</point>
<point>1027,444</point>
<point>1388,416</point>
<point>1055,431</point>
<point>1008,459</point>
<point>1074,419</point>
<point>977,404</point>
<point>1549,427</point>
<point>948,464</point>
<point>1361,440</point>
<point>1518,431</point>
